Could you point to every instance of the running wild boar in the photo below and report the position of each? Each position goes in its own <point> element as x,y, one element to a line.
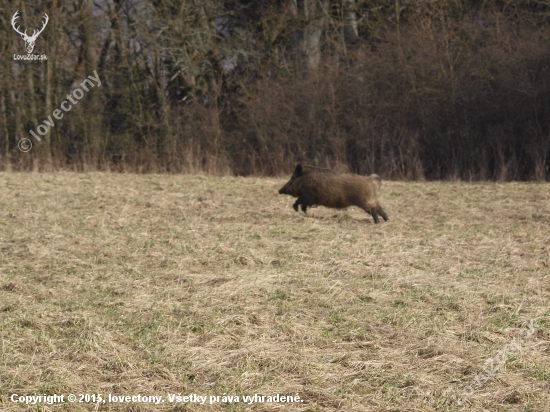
<point>316,186</point>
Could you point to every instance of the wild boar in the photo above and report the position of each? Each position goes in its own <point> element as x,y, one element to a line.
<point>315,186</point>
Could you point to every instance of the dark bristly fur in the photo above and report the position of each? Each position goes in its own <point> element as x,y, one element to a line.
<point>316,186</point>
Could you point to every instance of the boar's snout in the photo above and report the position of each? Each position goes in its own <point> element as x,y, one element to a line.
<point>285,190</point>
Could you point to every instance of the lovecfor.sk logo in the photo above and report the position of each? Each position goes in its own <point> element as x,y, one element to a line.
<point>29,40</point>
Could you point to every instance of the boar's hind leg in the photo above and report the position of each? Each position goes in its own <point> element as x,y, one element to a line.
<point>373,214</point>
<point>381,212</point>
<point>371,210</point>
<point>374,209</point>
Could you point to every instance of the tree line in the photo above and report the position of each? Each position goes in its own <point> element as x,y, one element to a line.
<point>434,89</point>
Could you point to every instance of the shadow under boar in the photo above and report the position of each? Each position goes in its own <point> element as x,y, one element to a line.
<point>316,186</point>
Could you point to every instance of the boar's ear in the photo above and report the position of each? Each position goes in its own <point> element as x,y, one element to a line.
<point>297,171</point>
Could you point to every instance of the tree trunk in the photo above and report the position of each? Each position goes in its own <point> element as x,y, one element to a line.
<point>307,41</point>
<point>92,126</point>
<point>47,147</point>
<point>351,35</point>
<point>6,149</point>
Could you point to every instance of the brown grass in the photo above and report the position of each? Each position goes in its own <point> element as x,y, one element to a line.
<point>157,284</point>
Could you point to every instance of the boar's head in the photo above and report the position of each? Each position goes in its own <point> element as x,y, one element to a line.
<point>290,188</point>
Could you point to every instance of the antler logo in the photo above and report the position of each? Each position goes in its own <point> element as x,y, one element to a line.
<point>29,40</point>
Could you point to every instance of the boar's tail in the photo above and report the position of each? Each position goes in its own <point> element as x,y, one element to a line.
<point>377,179</point>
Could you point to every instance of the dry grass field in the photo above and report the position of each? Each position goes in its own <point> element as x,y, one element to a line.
<point>169,284</point>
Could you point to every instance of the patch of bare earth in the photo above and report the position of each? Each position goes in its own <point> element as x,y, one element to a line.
<point>163,284</point>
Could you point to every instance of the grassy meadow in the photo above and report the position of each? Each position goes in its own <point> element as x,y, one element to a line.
<point>129,284</point>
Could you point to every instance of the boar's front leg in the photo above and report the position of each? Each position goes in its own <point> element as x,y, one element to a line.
<point>301,201</point>
<point>307,201</point>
